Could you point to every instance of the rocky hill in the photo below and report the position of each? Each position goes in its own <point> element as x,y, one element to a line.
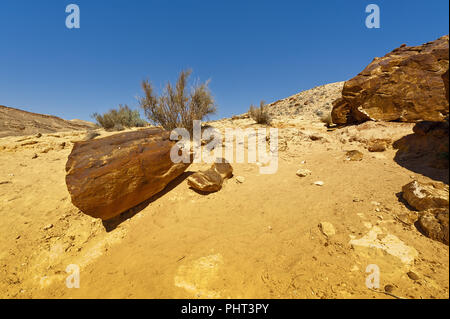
<point>15,122</point>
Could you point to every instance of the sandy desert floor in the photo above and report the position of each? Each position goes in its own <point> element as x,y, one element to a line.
<point>256,239</point>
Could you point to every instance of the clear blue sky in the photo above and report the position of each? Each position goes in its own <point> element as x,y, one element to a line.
<point>251,50</point>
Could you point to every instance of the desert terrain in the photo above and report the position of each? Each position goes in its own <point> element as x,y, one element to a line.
<point>261,236</point>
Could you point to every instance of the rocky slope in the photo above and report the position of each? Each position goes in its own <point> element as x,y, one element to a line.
<point>15,122</point>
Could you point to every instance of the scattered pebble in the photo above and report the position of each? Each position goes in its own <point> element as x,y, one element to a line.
<point>389,288</point>
<point>49,226</point>
<point>412,275</point>
<point>319,183</point>
<point>354,155</point>
<point>34,156</point>
<point>303,172</point>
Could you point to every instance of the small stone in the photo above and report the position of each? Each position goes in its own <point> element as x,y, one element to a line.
<point>327,229</point>
<point>319,183</point>
<point>389,288</point>
<point>412,275</point>
<point>240,179</point>
<point>34,156</point>
<point>354,155</point>
<point>38,135</point>
<point>377,210</point>
<point>49,226</point>
<point>303,172</point>
<point>377,146</point>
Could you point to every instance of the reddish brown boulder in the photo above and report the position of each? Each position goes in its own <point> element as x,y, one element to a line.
<point>110,175</point>
<point>212,179</point>
<point>410,84</point>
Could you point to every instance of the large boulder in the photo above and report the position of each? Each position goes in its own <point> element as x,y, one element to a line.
<point>434,224</point>
<point>410,84</point>
<point>424,196</point>
<point>110,175</point>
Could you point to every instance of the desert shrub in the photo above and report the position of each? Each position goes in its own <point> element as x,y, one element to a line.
<point>260,114</point>
<point>117,120</point>
<point>91,135</point>
<point>176,107</point>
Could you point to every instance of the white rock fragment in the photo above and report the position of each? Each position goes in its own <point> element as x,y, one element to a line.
<point>319,183</point>
<point>390,244</point>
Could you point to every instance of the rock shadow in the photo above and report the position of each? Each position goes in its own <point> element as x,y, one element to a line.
<point>426,151</point>
<point>112,223</point>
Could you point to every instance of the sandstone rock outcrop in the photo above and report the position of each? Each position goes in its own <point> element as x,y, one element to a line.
<point>110,175</point>
<point>431,200</point>
<point>212,179</point>
<point>410,84</point>
<point>434,224</point>
<point>423,196</point>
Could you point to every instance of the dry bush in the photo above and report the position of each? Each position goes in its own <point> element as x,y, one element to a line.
<point>175,107</point>
<point>260,114</point>
<point>91,135</point>
<point>117,120</point>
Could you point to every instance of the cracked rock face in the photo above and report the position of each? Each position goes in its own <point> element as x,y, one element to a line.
<point>410,84</point>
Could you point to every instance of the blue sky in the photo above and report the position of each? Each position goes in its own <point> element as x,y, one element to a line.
<point>251,50</point>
